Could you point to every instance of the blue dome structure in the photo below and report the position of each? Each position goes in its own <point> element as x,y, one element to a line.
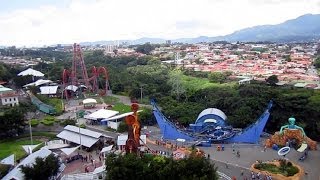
<point>211,116</point>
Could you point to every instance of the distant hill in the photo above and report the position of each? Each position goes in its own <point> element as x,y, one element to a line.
<point>302,29</point>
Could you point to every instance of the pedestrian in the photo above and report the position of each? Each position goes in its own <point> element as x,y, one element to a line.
<point>92,161</point>
<point>265,149</point>
<point>227,167</point>
<point>253,176</point>
<point>242,172</point>
<point>208,156</point>
<point>258,175</point>
<point>238,153</point>
<point>99,158</point>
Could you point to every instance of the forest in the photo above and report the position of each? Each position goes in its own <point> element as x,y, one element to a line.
<point>183,94</point>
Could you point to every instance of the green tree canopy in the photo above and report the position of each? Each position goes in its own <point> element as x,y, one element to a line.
<point>44,168</point>
<point>12,122</point>
<point>131,166</point>
<point>273,79</point>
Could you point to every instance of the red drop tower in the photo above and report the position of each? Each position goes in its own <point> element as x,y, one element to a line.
<point>79,75</point>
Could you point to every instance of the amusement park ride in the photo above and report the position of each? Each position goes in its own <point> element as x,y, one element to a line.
<point>78,77</point>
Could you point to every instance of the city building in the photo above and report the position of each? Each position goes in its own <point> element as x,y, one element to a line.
<point>8,97</point>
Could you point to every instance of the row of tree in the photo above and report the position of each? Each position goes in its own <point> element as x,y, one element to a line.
<point>131,166</point>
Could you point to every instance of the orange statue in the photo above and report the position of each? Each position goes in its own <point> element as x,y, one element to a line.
<point>134,128</point>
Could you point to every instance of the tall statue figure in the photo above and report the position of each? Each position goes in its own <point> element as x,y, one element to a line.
<point>292,125</point>
<point>134,129</point>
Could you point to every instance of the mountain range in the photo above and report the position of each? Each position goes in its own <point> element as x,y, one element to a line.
<point>302,29</point>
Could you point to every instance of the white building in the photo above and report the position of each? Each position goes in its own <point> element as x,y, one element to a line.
<point>8,97</point>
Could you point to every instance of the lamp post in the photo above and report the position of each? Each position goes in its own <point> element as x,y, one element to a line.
<point>30,131</point>
<point>79,129</point>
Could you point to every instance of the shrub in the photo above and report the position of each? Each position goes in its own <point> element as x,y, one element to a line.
<point>68,122</point>
<point>292,170</point>
<point>34,122</point>
<point>82,126</point>
<point>47,123</point>
<point>289,164</point>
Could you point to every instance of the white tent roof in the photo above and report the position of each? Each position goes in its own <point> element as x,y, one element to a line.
<point>48,89</point>
<point>27,148</point>
<point>16,172</point>
<point>75,138</point>
<point>69,151</point>
<point>31,72</point>
<point>106,149</point>
<point>102,114</point>
<point>123,138</point>
<point>83,131</point>
<point>99,169</point>
<point>89,100</point>
<point>8,160</point>
<point>38,82</point>
<point>71,133</point>
<point>119,116</point>
<point>72,88</point>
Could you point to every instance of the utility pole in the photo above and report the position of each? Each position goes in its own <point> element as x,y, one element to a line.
<point>30,131</point>
<point>141,88</point>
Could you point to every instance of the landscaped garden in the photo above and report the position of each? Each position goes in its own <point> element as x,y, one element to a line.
<point>283,167</point>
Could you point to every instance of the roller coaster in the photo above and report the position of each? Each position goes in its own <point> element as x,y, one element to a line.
<point>211,127</point>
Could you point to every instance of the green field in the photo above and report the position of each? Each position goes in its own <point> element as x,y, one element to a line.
<point>15,147</point>
<point>110,99</point>
<point>122,108</point>
<point>195,83</point>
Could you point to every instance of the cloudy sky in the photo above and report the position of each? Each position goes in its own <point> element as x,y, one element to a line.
<point>40,22</point>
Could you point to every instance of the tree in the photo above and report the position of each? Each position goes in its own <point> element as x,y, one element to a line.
<point>317,62</point>
<point>273,79</point>
<point>44,168</point>
<point>217,77</point>
<point>12,122</point>
<point>145,48</point>
<point>131,166</point>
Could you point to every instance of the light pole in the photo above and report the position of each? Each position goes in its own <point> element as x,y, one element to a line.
<point>141,88</point>
<point>30,131</point>
<point>79,129</point>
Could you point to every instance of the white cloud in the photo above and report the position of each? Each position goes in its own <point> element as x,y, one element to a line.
<point>90,20</point>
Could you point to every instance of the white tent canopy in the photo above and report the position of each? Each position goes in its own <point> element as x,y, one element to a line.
<point>28,148</point>
<point>48,89</point>
<point>102,114</point>
<point>69,151</point>
<point>38,82</point>
<point>31,72</point>
<point>8,160</point>
<point>106,149</point>
<point>72,88</point>
<point>119,116</point>
<point>89,100</point>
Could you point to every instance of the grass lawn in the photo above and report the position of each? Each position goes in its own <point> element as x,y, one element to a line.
<point>15,147</point>
<point>196,83</point>
<point>110,99</point>
<point>122,108</point>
